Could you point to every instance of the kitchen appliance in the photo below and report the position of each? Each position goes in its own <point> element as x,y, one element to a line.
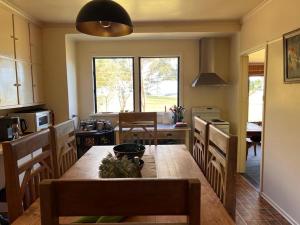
<point>212,115</point>
<point>6,132</point>
<point>207,74</point>
<point>11,128</point>
<point>34,120</point>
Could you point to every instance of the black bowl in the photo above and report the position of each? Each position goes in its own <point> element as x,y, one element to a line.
<point>130,150</point>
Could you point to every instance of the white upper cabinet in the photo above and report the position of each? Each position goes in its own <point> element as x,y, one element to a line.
<point>20,61</point>
<point>6,34</point>
<point>35,43</point>
<point>24,83</point>
<point>8,83</point>
<point>22,41</point>
<point>37,83</point>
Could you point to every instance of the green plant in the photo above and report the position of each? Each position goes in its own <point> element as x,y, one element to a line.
<point>111,167</point>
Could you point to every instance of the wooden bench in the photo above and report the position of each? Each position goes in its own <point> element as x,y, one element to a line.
<point>221,167</point>
<point>145,121</point>
<point>64,147</point>
<point>200,143</point>
<point>130,197</point>
<point>21,193</point>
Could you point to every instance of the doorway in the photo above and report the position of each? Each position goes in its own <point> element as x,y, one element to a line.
<point>256,90</point>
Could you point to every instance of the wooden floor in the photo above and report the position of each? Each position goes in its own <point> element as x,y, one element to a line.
<point>253,209</point>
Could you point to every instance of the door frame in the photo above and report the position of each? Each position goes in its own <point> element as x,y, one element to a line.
<point>244,99</point>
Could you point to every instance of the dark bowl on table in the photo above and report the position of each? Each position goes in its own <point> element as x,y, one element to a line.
<point>129,150</point>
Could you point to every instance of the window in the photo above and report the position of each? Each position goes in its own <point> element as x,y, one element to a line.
<point>158,83</point>
<point>256,93</point>
<point>113,84</point>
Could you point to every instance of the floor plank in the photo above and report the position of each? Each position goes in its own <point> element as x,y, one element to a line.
<point>252,209</point>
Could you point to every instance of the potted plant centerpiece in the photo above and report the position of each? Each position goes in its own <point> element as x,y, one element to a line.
<point>178,113</point>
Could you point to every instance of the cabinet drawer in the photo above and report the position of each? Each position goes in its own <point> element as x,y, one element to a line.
<point>178,135</point>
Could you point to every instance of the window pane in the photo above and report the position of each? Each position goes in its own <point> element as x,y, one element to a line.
<point>256,93</point>
<point>114,84</point>
<point>159,83</point>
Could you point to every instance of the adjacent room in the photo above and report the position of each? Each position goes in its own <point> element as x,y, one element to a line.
<point>149,112</point>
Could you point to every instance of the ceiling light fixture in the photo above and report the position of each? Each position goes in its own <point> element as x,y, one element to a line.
<point>104,18</point>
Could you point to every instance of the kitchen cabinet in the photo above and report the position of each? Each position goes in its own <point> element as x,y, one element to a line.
<point>8,83</point>
<point>22,42</point>
<point>37,83</point>
<point>24,83</point>
<point>6,34</point>
<point>20,61</point>
<point>35,43</point>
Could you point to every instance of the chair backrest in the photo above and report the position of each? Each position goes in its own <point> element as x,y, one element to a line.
<point>138,127</point>
<point>115,197</point>
<point>64,144</point>
<point>200,142</point>
<point>35,151</point>
<point>221,167</point>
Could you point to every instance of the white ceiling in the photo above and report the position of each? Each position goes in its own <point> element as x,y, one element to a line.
<point>65,11</point>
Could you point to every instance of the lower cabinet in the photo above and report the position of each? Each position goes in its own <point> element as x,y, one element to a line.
<point>8,83</point>
<point>24,83</point>
<point>37,83</point>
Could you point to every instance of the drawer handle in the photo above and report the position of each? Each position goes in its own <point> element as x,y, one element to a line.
<point>13,37</point>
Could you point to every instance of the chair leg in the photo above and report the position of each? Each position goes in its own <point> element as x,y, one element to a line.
<point>247,152</point>
<point>255,148</point>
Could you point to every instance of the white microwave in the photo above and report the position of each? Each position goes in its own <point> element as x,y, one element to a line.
<point>34,121</point>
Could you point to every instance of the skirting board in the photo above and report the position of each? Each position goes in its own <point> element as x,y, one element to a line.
<point>280,210</point>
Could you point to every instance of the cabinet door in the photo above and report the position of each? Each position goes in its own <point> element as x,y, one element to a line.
<point>25,83</point>
<point>6,34</point>
<point>37,83</point>
<point>8,87</point>
<point>22,39</point>
<point>35,43</point>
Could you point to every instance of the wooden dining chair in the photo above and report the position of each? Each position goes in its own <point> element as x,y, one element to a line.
<point>27,161</point>
<point>64,147</point>
<point>200,143</point>
<point>129,197</point>
<point>221,167</point>
<point>138,127</point>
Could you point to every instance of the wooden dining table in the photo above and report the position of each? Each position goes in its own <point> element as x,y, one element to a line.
<point>172,161</point>
<point>253,129</point>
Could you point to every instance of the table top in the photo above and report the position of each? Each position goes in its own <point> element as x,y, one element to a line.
<point>252,127</point>
<point>165,127</point>
<point>172,161</point>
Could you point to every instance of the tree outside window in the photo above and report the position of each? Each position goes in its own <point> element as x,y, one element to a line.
<point>114,84</point>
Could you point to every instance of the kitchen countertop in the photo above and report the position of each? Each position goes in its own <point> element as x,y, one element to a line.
<point>165,127</point>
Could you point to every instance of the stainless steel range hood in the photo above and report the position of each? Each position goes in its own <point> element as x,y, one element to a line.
<point>207,75</point>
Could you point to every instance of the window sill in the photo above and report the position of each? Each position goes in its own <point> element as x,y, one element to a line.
<point>104,114</point>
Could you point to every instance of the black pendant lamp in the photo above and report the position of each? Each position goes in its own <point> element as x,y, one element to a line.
<point>104,18</point>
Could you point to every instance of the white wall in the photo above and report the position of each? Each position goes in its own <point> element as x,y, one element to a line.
<point>55,71</point>
<point>281,182</point>
<point>72,79</point>
<point>186,49</point>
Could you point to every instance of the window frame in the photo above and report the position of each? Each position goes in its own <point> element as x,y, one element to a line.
<point>140,77</point>
<point>95,83</point>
